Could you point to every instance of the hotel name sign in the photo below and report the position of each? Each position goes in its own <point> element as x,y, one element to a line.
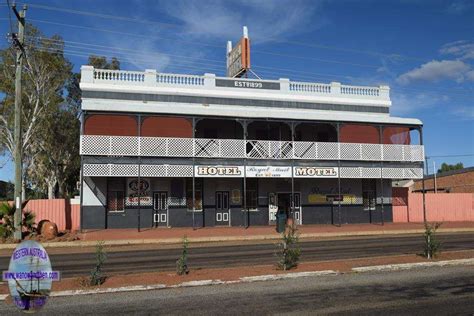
<point>265,172</point>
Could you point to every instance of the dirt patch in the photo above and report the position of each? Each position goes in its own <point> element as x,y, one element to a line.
<point>229,274</point>
<point>62,236</point>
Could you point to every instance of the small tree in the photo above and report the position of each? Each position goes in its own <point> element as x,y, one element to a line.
<point>288,252</point>
<point>182,262</point>
<point>432,245</point>
<point>97,277</point>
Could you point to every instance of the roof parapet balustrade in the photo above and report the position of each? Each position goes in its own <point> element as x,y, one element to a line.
<point>152,78</point>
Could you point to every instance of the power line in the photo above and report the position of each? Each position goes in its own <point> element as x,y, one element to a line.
<point>305,44</point>
<point>450,156</point>
<point>277,72</point>
<point>201,44</point>
<point>10,16</point>
<point>102,15</point>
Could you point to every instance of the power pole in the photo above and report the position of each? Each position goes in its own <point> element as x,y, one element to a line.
<point>18,40</point>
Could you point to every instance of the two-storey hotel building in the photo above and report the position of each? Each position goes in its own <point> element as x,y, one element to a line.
<point>168,150</point>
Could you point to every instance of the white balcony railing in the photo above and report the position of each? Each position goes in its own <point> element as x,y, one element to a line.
<point>251,149</point>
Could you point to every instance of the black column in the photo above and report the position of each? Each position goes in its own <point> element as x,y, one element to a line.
<point>381,175</point>
<point>338,175</point>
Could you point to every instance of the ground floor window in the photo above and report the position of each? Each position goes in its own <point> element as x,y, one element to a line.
<point>369,196</point>
<point>252,193</point>
<point>198,184</point>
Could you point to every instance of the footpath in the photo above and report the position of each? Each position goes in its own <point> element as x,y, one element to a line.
<point>164,236</point>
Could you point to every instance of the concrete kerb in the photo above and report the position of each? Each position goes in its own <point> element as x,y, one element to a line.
<point>170,241</point>
<point>407,266</point>
<point>260,278</point>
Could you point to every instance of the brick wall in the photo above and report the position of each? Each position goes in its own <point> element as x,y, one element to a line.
<point>453,183</point>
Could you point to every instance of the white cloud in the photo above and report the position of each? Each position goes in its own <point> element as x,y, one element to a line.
<point>465,112</point>
<point>223,20</point>
<point>461,49</point>
<point>437,70</point>
<point>406,103</point>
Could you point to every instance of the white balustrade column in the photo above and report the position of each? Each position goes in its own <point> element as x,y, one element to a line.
<point>150,77</point>
<point>384,92</point>
<point>209,80</point>
<point>87,74</point>
<point>335,87</point>
<point>284,84</point>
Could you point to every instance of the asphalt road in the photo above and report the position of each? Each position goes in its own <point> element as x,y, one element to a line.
<point>155,259</point>
<point>428,291</point>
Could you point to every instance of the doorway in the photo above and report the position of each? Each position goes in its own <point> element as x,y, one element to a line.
<point>160,209</point>
<point>222,208</point>
<point>281,202</point>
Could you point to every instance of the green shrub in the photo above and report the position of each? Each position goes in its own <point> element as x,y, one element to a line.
<point>432,245</point>
<point>97,277</point>
<point>7,213</point>
<point>182,262</point>
<point>288,252</point>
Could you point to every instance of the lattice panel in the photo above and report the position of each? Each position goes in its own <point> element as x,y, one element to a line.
<point>95,170</point>
<point>153,170</point>
<point>232,148</point>
<point>371,173</point>
<point>305,150</point>
<point>207,147</point>
<point>350,151</point>
<point>153,146</point>
<point>123,170</point>
<point>180,171</point>
<point>124,146</point>
<point>281,150</point>
<point>180,147</point>
<point>259,149</point>
<point>393,173</point>
<point>414,153</point>
<point>347,172</point>
<point>392,152</point>
<point>413,173</point>
<point>329,151</point>
<point>95,145</point>
<point>371,152</point>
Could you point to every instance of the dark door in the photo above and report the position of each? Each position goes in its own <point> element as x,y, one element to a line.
<point>160,208</point>
<point>222,208</point>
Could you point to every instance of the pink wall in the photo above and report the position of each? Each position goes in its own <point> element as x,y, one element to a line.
<point>59,211</point>
<point>441,207</point>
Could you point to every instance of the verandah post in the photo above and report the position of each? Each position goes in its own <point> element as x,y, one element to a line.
<point>381,176</point>
<point>339,177</point>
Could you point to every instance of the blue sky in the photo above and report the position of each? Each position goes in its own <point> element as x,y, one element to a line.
<point>423,49</point>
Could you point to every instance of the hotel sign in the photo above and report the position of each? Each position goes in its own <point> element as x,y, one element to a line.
<point>264,172</point>
<point>268,172</point>
<point>219,171</point>
<point>315,172</point>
